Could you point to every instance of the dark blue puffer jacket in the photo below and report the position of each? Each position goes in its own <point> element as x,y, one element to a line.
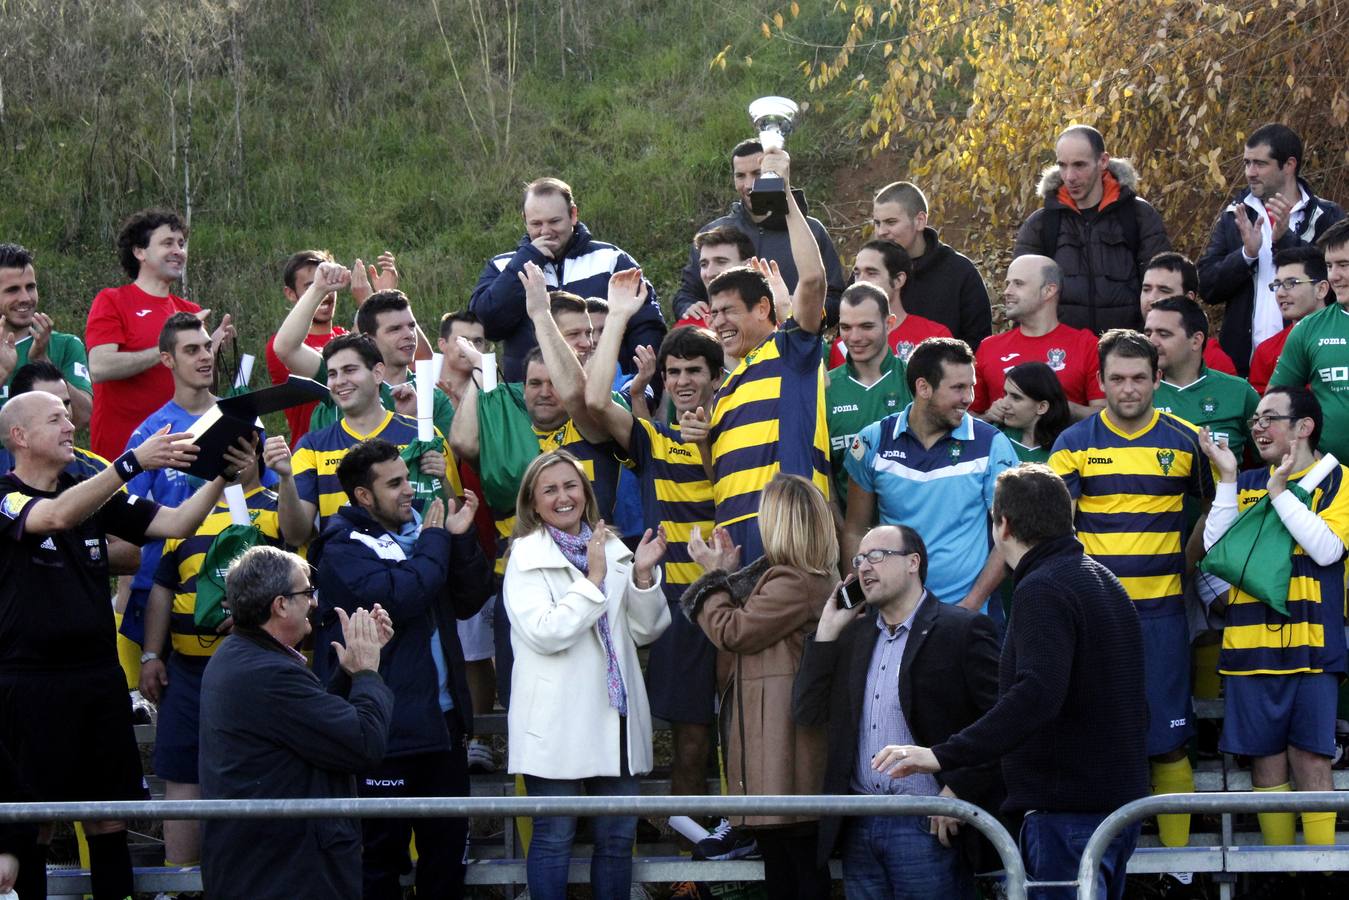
<point>446,578</point>
<point>585,267</point>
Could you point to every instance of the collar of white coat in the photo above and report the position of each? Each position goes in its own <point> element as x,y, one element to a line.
<point>537,550</point>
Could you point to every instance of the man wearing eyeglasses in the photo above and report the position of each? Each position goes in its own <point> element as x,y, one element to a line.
<point>428,572</point>
<point>900,668</point>
<point>1317,351</point>
<point>270,728</point>
<point>1281,672</point>
<point>1301,288</point>
<point>1277,210</point>
<point>1070,723</point>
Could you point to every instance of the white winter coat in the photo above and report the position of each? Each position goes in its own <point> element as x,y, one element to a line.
<point>561,724</point>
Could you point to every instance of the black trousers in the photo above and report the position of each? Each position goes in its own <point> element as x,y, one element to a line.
<point>789,868</point>
<point>442,844</point>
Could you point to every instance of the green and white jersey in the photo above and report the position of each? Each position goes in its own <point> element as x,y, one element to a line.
<point>1215,400</point>
<point>1025,454</point>
<point>1317,354</point>
<point>851,406</point>
<point>65,351</point>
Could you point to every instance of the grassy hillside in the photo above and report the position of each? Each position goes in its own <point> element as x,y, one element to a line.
<point>342,124</point>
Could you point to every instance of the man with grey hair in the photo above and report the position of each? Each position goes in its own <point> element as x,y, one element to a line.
<point>62,691</point>
<point>270,729</point>
<point>1031,300</point>
<point>1097,228</point>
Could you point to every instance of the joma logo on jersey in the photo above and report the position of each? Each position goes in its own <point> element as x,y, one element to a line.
<point>847,407</point>
<point>333,460</point>
<point>1332,342</point>
<point>1333,373</point>
<point>680,451</point>
<point>1099,461</point>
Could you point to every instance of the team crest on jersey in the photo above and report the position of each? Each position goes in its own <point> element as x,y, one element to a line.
<point>955,450</point>
<point>1056,359</point>
<point>904,350</point>
<point>1209,406</point>
<point>13,504</point>
<point>858,449</point>
<point>1166,459</point>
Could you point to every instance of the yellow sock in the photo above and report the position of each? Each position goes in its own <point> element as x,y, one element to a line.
<point>1173,778</point>
<point>1318,827</point>
<point>1206,679</point>
<point>1279,829</point>
<point>128,654</point>
<point>524,825</point>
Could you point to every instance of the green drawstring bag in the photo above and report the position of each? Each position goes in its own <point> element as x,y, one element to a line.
<point>502,414</point>
<point>1256,553</point>
<point>228,546</point>
<point>428,487</point>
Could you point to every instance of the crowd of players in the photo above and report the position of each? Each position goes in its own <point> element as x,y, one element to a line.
<point>710,480</point>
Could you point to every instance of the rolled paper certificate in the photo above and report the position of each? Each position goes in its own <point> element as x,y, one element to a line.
<point>489,371</point>
<point>426,399</point>
<point>1324,467</point>
<point>245,370</point>
<point>234,496</point>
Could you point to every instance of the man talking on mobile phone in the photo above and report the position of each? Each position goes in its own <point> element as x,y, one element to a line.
<point>900,667</point>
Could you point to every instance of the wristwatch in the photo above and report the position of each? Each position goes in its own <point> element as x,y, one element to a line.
<point>147,656</point>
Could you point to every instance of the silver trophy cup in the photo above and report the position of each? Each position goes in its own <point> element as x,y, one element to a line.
<point>774,117</point>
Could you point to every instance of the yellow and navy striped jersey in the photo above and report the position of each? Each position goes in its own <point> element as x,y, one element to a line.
<point>182,560</point>
<point>675,493</point>
<point>1130,491</point>
<point>768,417</point>
<point>319,452</point>
<point>599,461</point>
<point>1257,640</point>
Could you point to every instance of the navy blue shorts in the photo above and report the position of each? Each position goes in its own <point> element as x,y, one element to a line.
<point>1266,714</point>
<point>177,730</point>
<point>681,673</point>
<point>1166,679</point>
<point>133,618</point>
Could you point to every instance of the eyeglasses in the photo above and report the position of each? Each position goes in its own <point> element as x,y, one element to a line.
<point>875,556</point>
<point>1264,421</point>
<point>1289,283</point>
<point>305,592</point>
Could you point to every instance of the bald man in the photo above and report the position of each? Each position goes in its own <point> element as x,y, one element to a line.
<point>65,716</point>
<point>1031,299</point>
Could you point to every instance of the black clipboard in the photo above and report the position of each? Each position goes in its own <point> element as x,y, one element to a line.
<point>234,417</point>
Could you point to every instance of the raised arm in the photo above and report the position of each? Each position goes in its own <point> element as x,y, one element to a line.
<point>811,283</point>
<point>289,345</point>
<point>464,429</point>
<point>71,507</point>
<point>563,367</point>
<point>627,295</point>
<point>295,520</point>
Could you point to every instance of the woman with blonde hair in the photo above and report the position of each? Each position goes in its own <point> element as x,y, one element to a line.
<point>580,603</point>
<point>758,618</point>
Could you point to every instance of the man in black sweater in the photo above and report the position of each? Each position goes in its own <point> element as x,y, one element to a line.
<point>1071,716</point>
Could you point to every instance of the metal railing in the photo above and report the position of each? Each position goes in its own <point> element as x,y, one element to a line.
<point>424,807</point>
<point>1212,803</point>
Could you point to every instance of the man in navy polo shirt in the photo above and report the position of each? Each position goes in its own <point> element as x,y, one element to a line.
<point>932,467</point>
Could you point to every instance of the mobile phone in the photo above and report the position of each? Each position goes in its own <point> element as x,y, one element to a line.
<point>851,596</point>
